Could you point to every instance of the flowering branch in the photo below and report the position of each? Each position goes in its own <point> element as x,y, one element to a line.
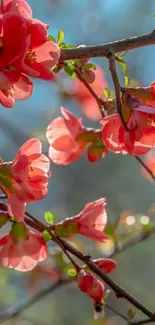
<point>104,49</point>
<point>119,291</point>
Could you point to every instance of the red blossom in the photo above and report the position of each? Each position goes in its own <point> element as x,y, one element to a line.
<point>30,172</point>
<point>89,284</point>
<point>38,61</point>
<point>145,95</point>
<point>107,265</point>
<point>14,85</point>
<point>90,222</point>
<point>24,254</point>
<point>61,134</point>
<point>138,141</point>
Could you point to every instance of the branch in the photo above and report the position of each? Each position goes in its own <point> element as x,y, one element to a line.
<point>104,49</point>
<point>119,291</point>
<point>112,68</point>
<point>101,103</point>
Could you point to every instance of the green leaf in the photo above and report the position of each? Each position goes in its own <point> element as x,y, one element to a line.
<point>3,220</point>
<point>6,178</point>
<point>89,66</point>
<point>123,66</point>
<point>65,231</point>
<point>72,272</point>
<point>121,54</point>
<point>107,92</point>
<point>60,261</point>
<point>130,314</point>
<point>110,231</point>
<point>49,217</point>
<point>46,235</point>
<point>19,231</point>
<point>51,38</point>
<point>149,227</point>
<point>127,81</point>
<point>69,46</point>
<point>153,15</point>
<point>70,71</point>
<point>60,36</point>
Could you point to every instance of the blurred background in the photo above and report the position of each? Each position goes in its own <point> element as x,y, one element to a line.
<point>130,197</point>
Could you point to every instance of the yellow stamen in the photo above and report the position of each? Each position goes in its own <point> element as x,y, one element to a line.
<point>31,56</point>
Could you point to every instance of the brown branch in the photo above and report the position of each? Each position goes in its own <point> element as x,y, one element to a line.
<point>103,49</point>
<point>101,103</point>
<point>112,68</point>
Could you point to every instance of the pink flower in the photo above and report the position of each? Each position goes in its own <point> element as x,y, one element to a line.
<point>107,265</point>
<point>30,172</point>
<point>13,85</point>
<point>88,104</point>
<point>138,141</point>
<point>13,38</point>
<point>37,61</point>
<point>61,134</point>
<point>145,95</point>
<point>89,284</point>
<point>90,222</point>
<point>25,254</point>
<point>16,5</point>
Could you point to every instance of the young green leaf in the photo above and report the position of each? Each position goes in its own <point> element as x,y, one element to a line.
<point>51,38</point>
<point>89,66</point>
<point>107,92</point>
<point>70,71</point>
<point>49,217</point>
<point>60,37</point>
<point>123,66</point>
<point>121,54</point>
<point>6,178</point>
<point>46,235</point>
<point>127,81</point>
<point>72,272</point>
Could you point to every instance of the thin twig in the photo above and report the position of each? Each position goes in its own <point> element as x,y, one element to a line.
<point>103,49</point>
<point>146,168</point>
<point>101,102</point>
<point>117,313</point>
<point>112,68</point>
<point>3,197</point>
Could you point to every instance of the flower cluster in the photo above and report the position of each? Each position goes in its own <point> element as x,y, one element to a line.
<point>140,120</point>
<point>68,139</point>
<point>24,51</point>
<point>29,173</point>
